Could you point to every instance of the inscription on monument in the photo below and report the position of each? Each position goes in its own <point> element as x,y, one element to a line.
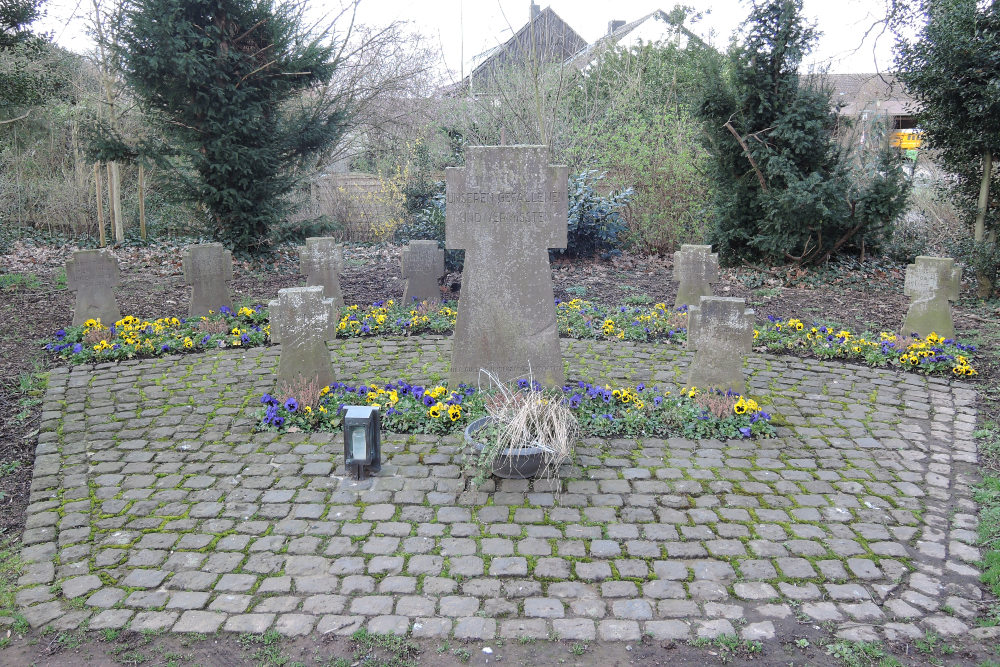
<point>506,208</point>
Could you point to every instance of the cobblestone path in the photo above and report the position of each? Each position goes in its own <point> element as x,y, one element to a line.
<point>154,505</point>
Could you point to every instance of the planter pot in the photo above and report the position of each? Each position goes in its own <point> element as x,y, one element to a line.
<point>522,463</point>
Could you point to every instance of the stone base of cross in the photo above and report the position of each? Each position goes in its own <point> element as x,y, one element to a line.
<point>720,331</point>
<point>696,267</point>
<point>506,208</point>
<point>93,275</point>
<point>931,283</point>
<point>302,321</point>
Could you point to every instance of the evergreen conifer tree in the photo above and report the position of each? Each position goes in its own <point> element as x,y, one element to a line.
<point>784,190</point>
<point>229,82</point>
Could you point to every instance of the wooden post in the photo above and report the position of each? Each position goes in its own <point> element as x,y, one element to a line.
<point>142,204</point>
<point>115,202</point>
<point>100,202</point>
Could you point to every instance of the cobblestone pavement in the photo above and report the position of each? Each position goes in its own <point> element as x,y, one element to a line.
<point>154,505</point>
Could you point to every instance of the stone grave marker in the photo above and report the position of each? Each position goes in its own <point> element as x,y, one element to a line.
<point>506,208</point>
<point>421,265</point>
<point>302,321</point>
<point>93,274</point>
<point>931,282</point>
<point>207,269</point>
<point>321,260</point>
<point>720,331</point>
<point>696,267</point>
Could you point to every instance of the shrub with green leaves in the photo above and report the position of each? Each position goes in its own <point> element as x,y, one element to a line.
<point>595,224</point>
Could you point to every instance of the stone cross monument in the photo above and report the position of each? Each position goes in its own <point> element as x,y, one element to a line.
<point>207,269</point>
<point>720,331</point>
<point>696,267</point>
<point>421,265</point>
<point>931,282</point>
<point>321,260</point>
<point>93,274</point>
<point>506,208</point>
<point>302,321</point>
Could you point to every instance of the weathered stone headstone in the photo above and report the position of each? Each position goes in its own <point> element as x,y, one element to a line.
<point>321,260</point>
<point>506,208</point>
<point>696,267</point>
<point>207,269</point>
<point>720,331</point>
<point>421,265</point>
<point>93,274</point>
<point>931,282</point>
<point>302,321</point>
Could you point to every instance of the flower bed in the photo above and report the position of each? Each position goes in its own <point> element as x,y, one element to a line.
<point>582,319</point>
<point>132,337</point>
<point>930,355</point>
<point>603,411</point>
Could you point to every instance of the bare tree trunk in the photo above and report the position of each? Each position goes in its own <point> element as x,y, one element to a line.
<point>142,203</point>
<point>100,203</point>
<point>984,196</point>
<point>984,280</point>
<point>80,178</point>
<point>111,97</point>
<point>115,203</point>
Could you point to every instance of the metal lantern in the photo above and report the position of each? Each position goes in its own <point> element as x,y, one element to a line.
<point>362,439</point>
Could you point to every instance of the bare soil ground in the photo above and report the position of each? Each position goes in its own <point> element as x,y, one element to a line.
<point>131,648</point>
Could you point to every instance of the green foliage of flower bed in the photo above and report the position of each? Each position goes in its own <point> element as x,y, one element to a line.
<point>601,410</point>
<point>932,355</point>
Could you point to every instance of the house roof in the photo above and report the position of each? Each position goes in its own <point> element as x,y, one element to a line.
<point>587,54</point>
<point>560,38</point>
<point>879,93</point>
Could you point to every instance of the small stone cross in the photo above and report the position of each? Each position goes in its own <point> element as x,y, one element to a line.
<point>302,321</point>
<point>720,331</point>
<point>421,265</point>
<point>93,274</point>
<point>321,260</point>
<point>696,267</point>
<point>207,269</point>
<point>931,282</point>
<point>506,208</point>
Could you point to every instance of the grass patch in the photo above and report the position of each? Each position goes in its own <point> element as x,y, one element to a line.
<point>861,654</point>
<point>265,649</point>
<point>377,650</point>
<point>730,647</point>
<point>12,282</point>
<point>987,494</point>
<point>10,569</point>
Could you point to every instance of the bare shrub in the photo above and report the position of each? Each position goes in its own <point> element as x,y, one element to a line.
<point>720,405</point>
<point>527,419</point>
<point>95,336</point>
<point>213,326</point>
<point>306,391</point>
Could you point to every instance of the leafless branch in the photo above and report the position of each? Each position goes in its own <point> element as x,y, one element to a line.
<point>746,151</point>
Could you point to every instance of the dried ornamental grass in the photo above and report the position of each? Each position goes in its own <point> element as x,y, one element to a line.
<point>527,417</point>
